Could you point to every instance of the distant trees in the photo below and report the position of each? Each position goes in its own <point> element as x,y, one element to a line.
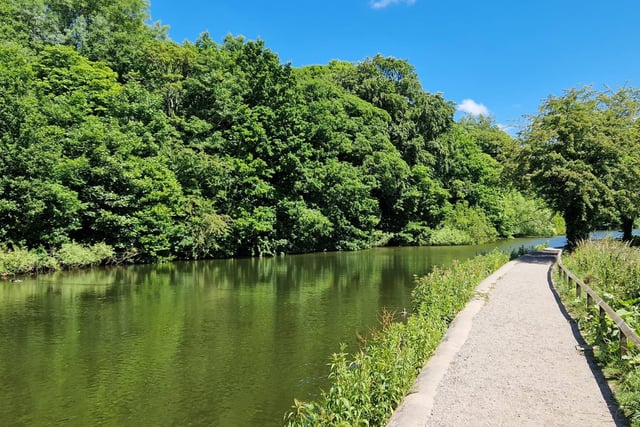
<point>582,154</point>
<point>111,133</point>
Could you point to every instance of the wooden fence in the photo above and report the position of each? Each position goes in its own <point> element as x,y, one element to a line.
<point>626,333</point>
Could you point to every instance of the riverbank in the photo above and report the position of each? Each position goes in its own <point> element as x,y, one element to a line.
<point>368,385</point>
<point>16,260</point>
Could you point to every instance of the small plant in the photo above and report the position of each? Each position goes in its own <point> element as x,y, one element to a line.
<point>18,260</point>
<point>522,250</point>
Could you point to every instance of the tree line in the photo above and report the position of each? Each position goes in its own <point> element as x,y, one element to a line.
<point>112,133</point>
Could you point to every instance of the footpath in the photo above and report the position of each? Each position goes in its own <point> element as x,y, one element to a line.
<point>512,357</point>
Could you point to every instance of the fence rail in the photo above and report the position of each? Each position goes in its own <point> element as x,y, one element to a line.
<point>626,332</point>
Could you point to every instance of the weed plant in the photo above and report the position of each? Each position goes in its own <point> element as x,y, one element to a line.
<point>368,385</point>
<point>612,269</point>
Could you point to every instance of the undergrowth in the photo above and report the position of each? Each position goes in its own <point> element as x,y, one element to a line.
<point>15,259</point>
<point>368,385</point>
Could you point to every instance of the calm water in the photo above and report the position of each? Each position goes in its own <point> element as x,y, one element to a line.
<point>223,343</point>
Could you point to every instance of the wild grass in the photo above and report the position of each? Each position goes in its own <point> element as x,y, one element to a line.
<point>368,385</point>
<point>612,269</point>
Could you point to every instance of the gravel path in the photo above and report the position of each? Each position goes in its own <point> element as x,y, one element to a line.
<point>511,361</point>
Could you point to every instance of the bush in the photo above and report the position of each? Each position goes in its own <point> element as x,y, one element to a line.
<point>447,236</point>
<point>368,385</point>
<point>74,255</point>
<point>610,267</point>
<point>471,221</point>
<point>413,234</point>
<point>523,216</point>
<point>19,260</point>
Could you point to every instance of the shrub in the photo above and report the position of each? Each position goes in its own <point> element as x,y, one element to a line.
<point>74,255</point>
<point>522,216</point>
<point>415,233</point>
<point>447,236</point>
<point>418,234</point>
<point>472,221</point>
<point>19,260</point>
<point>610,266</point>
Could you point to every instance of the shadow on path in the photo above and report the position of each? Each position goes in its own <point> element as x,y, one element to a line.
<point>549,256</point>
<point>468,372</point>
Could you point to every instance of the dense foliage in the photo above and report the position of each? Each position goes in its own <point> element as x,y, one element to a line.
<point>367,386</point>
<point>612,269</point>
<point>111,133</point>
<point>582,154</point>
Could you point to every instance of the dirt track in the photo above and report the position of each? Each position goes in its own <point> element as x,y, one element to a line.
<point>511,361</point>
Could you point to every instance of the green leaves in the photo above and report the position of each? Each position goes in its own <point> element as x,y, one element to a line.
<point>579,154</point>
<point>110,132</point>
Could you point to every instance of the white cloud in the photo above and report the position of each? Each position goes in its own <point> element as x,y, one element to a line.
<point>381,4</point>
<point>470,106</point>
<point>511,130</point>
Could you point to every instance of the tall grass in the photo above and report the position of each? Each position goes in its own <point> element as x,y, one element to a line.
<point>612,269</point>
<point>368,385</point>
<point>609,266</point>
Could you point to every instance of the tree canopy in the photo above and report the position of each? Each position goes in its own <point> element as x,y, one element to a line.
<point>110,132</point>
<point>582,155</point>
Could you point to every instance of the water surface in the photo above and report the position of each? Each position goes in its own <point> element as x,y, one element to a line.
<point>222,343</point>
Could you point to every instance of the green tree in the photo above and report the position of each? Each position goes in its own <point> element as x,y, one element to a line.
<point>112,31</point>
<point>392,84</point>
<point>621,110</point>
<point>468,173</point>
<point>580,155</point>
<point>110,132</point>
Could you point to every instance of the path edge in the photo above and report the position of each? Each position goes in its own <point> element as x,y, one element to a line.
<point>415,408</point>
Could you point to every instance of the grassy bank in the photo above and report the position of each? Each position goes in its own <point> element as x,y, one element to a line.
<point>16,260</point>
<point>612,269</point>
<point>368,385</point>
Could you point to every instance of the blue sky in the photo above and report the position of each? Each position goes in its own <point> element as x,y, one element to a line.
<point>498,57</point>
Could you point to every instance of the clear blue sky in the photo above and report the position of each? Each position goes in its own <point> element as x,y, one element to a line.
<point>504,55</point>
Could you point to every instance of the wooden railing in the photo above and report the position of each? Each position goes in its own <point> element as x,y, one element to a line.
<point>626,333</point>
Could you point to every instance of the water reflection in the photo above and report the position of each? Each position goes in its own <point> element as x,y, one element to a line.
<point>227,343</point>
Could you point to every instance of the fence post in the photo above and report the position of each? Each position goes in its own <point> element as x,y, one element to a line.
<point>624,345</point>
<point>604,311</point>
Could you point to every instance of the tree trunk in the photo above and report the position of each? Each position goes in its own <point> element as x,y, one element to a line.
<point>627,228</point>
<point>577,227</point>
